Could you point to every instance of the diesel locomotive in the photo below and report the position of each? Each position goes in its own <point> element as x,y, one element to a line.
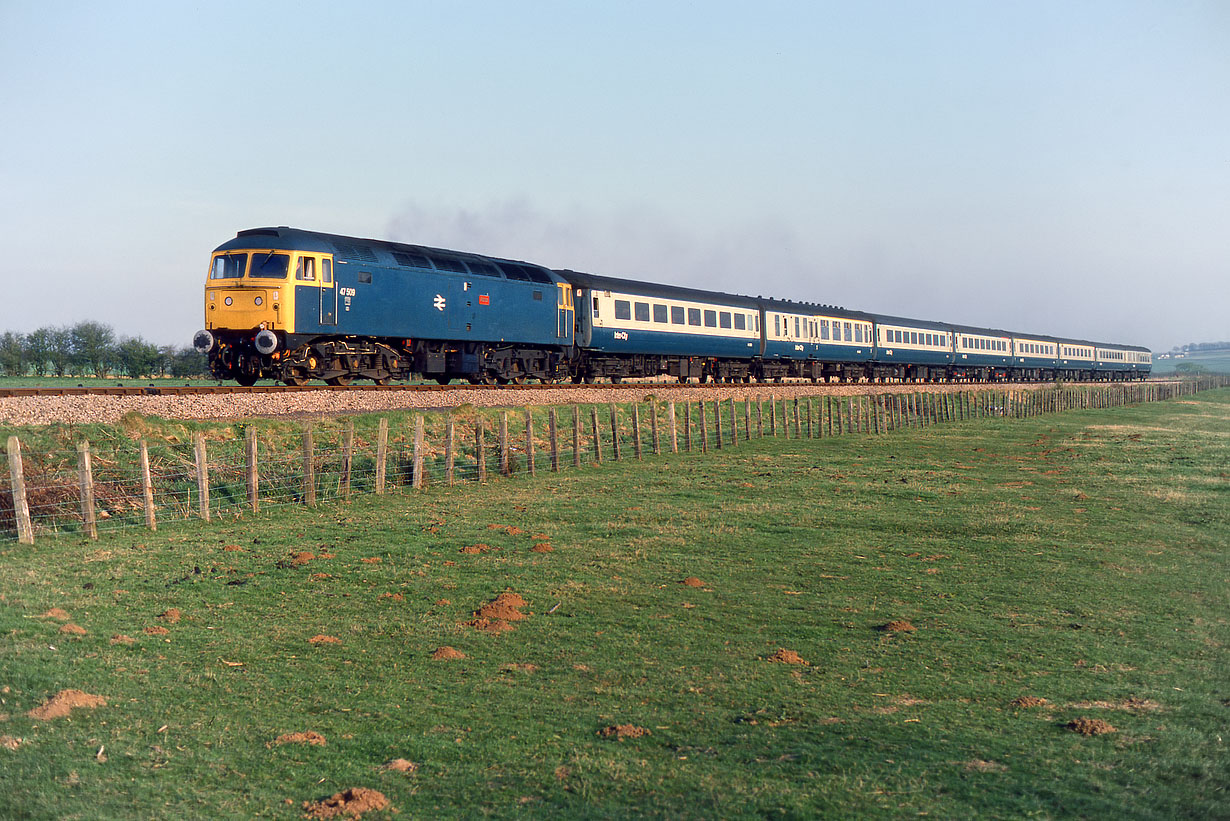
<point>293,305</point>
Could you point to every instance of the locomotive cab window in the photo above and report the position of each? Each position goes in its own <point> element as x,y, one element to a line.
<point>305,270</point>
<point>229,266</point>
<point>271,265</point>
<point>326,271</point>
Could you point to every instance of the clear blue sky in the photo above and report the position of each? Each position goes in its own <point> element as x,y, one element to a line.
<point>1058,167</point>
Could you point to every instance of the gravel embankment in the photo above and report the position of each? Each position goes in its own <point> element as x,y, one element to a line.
<point>42,410</point>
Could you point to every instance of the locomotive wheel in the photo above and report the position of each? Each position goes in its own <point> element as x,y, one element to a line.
<point>339,381</point>
<point>245,379</point>
<point>443,380</point>
<point>295,380</point>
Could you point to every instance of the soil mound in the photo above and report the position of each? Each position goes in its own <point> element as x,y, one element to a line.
<point>400,765</point>
<point>898,626</point>
<point>1089,726</point>
<point>156,630</point>
<point>511,530</point>
<point>64,702</point>
<point>56,613</point>
<point>785,656</point>
<point>497,615</point>
<point>542,547</point>
<point>297,560</point>
<point>309,737</point>
<point>348,803</point>
<point>445,653</point>
<point>120,638</point>
<point>8,742</point>
<point>490,625</point>
<point>73,629</point>
<point>477,548</point>
<point>622,731</point>
<point>1029,702</point>
<point>692,581</point>
<point>323,639</point>
<point>171,616</point>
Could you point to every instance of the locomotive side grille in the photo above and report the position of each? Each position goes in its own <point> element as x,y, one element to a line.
<point>362,253</point>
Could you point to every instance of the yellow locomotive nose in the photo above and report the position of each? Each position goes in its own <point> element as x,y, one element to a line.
<point>231,307</point>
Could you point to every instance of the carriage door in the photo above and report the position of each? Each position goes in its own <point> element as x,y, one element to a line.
<point>328,294</point>
<point>564,328</point>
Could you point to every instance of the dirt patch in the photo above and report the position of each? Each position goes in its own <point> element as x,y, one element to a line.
<point>442,602</point>
<point>171,616</point>
<point>475,549</point>
<point>64,702</point>
<point>120,638</point>
<point>321,638</point>
<point>898,626</point>
<point>516,667</point>
<point>8,742</point>
<point>372,560</point>
<point>542,547</point>
<point>785,656</point>
<point>309,737</point>
<point>1028,702</point>
<point>156,630</point>
<point>393,596</point>
<point>400,765</point>
<point>297,560</point>
<point>56,613</point>
<point>622,731</point>
<point>1089,726</point>
<point>350,803</point>
<point>977,765</point>
<point>446,653</point>
<point>692,581</point>
<point>233,548</point>
<point>511,530</point>
<point>71,629</point>
<point>497,615</point>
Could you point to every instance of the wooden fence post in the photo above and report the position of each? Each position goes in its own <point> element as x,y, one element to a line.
<point>147,489</point>
<point>202,474</point>
<point>636,429</point>
<point>576,436</point>
<point>21,507</point>
<point>717,421</point>
<point>593,412</point>
<point>772,415</point>
<point>759,417</point>
<point>450,454</point>
<point>505,468</point>
<point>653,428</point>
<point>529,443</point>
<point>309,468</point>
<point>85,478</point>
<point>614,434</point>
<point>734,424</point>
<point>704,428</point>
<point>249,453</point>
<point>747,419</point>
<point>347,458</point>
<point>382,453</point>
<point>554,432</point>
<point>670,413</point>
<point>798,426</point>
<point>480,454</point>
<point>416,475</point>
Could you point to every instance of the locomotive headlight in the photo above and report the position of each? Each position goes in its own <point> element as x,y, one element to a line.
<point>203,341</point>
<point>258,301</point>
<point>266,342</point>
<point>227,301</point>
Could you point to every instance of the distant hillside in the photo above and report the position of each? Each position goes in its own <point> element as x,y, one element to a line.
<point>1211,361</point>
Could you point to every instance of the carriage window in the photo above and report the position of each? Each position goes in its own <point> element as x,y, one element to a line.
<point>849,332</point>
<point>595,307</point>
<point>228,266</point>
<point>824,329</point>
<point>858,333</point>
<point>676,315</point>
<point>659,313</point>
<point>740,322</point>
<point>710,319</point>
<point>623,309</point>
<point>270,265</point>
<point>724,319</point>
<point>693,316</point>
<point>777,325</point>
<point>642,312</point>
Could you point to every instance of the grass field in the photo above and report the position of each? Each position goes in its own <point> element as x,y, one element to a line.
<point>1213,362</point>
<point>838,627</point>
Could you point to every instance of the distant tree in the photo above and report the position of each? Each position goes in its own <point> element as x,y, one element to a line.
<point>136,357</point>
<point>1190,369</point>
<point>189,363</point>
<point>60,354</point>
<point>13,353</point>
<point>38,350</point>
<point>93,348</point>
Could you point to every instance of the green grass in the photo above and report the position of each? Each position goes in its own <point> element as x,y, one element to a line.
<point>1212,362</point>
<point>1080,558</point>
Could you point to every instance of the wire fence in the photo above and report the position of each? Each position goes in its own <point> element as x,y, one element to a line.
<point>124,482</point>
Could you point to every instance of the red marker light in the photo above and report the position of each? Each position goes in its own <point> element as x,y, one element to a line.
<point>483,299</point>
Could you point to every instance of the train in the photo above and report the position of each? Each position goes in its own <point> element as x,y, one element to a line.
<point>292,305</point>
